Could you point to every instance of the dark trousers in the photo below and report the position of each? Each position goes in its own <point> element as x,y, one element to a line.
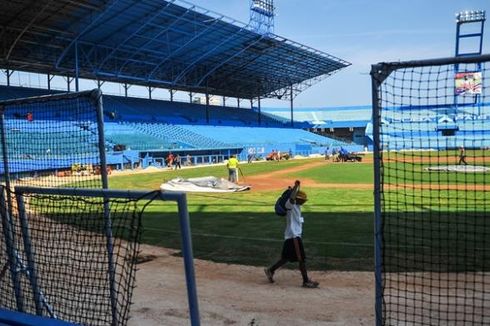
<point>292,250</point>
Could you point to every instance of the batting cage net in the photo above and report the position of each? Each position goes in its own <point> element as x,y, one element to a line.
<point>48,141</point>
<point>431,133</point>
<point>63,256</point>
<point>73,256</point>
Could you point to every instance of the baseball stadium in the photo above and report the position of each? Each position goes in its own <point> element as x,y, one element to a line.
<point>157,205</point>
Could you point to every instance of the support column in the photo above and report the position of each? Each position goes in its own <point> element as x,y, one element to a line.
<point>49,78</point>
<point>126,87</point>
<point>68,83</point>
<point>251,103</point>
<point>77,86</point>
<point>259,118</point>
<point>207,107</point>
<point>224,100</point>
<point>292,104</point>
<point>190,97</point>
<point>238,102</point>
<point>8,73</point>
<point>171,91</point>
<point>150,90</point>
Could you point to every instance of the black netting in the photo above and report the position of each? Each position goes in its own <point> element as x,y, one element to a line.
<point>434,133</point>
<point>83,257</point>
<point>53,141</point>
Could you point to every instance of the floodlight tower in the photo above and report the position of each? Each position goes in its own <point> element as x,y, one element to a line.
<point>474,19</point>
<point>262,16</point>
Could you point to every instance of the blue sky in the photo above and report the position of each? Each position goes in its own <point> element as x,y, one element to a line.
<point>362,32</point>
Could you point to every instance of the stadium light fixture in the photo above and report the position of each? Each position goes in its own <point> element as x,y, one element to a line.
<point>262,16</point>
<point>264,7</point>
<point>470,16</point>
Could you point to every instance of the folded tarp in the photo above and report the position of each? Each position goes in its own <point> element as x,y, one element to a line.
<point>203,184</point>
<point>459,168</point>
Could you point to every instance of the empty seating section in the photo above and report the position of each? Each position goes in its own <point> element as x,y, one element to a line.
<point>10,92</point>
<point>154,136</point>
<point>245,136</point>
<point>179,135</point>
<point>317,116</point>
<point>138,109</point>
<point>152,125</point>
<point>132,138</point>
<point>48,138</point>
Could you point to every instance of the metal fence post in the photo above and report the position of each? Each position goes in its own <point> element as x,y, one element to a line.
<point>10,244</point>
<point>378,236</point>
<point>188,260</point>
<point>31,266</point>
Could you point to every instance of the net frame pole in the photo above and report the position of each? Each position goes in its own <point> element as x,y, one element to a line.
<point>378,231</point>
<point>110,260</point>
<point>10,243</point>
<point>6,212</point>
<point>31,266</point>
<point>385,68</point>
<point>188,260</point>
<point>5,159</point>
<point>96,96</point>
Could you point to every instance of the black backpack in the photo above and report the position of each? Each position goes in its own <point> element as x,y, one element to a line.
<point>280,206</point>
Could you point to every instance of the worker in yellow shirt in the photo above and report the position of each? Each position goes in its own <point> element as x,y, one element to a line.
<point>232,166</point>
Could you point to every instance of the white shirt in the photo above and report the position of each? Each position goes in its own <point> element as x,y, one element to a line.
<point>294,221</point>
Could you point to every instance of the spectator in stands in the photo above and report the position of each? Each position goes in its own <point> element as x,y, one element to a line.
<point>232,166</point>
<point>177,162</point>
<point>292,249</point>
<point>462,156</point>
<point>29,116</point>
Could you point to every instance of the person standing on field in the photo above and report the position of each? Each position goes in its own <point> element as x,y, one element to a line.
<point>462,156</point>
<point>177,162</point>
<point>232,166</point>
<point>292,249</point>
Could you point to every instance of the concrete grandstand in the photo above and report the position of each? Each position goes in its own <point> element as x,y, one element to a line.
<point>141,132</point>
<point>177,47</point>
<point>347,123</point>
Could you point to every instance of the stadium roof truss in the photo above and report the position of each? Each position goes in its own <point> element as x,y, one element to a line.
<point>171,44</point>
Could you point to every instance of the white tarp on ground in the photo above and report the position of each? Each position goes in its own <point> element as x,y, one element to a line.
<point>459,168</point>
<point>203,184</point>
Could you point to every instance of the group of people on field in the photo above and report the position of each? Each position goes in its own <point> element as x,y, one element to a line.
<point>174,161</point>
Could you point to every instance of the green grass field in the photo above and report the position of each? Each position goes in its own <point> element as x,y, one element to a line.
<point>242,228</point>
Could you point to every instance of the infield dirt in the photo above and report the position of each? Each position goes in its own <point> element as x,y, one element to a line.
<point>241,295</point>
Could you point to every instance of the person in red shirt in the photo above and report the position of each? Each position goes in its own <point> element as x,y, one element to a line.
<point>170,160</point>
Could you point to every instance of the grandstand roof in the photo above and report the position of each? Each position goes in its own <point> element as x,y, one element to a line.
<point>171,44</point>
